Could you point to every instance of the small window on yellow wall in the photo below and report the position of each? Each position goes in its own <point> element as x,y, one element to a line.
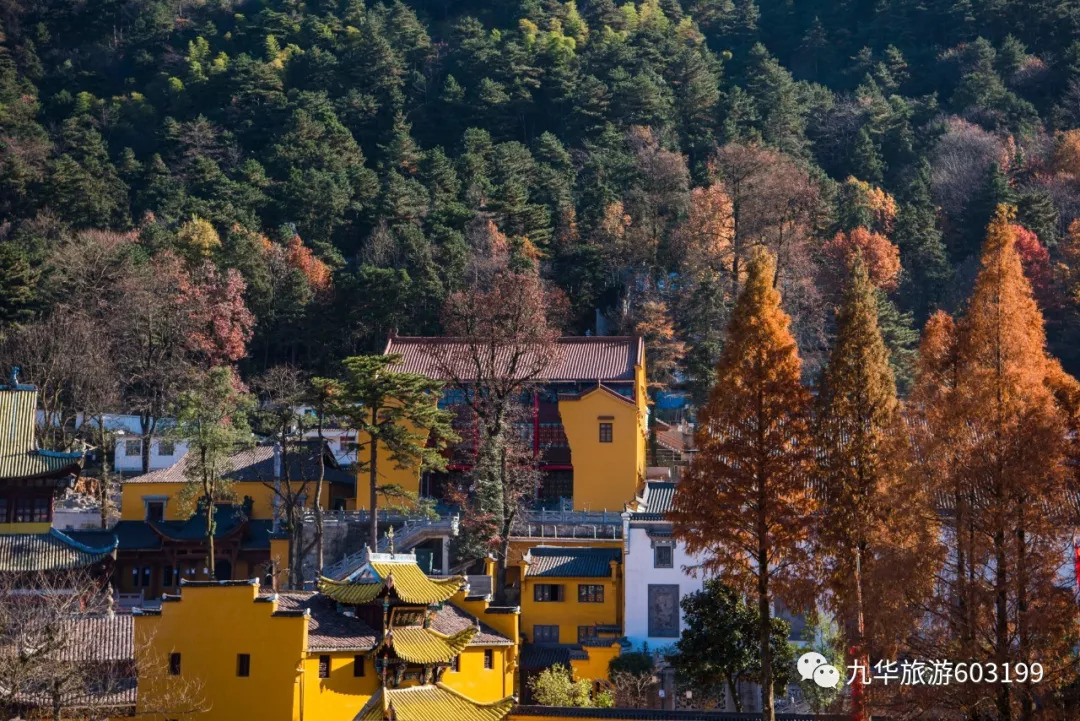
<point>324,667</point>
<point>489,658</point>
<point>606,432</point>
<point>358,665</point>
<point>455,664</point>
<point>590,593</point>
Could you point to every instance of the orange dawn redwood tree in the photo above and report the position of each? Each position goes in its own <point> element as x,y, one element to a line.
<point>995,431</point>
<point>743,506</point>
<point>875,533</point>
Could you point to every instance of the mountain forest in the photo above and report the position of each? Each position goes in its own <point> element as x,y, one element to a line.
<point>304,178</point>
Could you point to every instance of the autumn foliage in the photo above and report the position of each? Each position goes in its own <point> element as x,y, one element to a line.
<point>881,256</point>
<point>744,505</point>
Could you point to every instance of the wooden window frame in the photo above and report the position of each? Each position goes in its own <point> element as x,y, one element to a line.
<point>656,556</point>
<point>607,432</point>
<point>324,666</point>
<point>243,665</point>
<point>545,593</point>
<point>489,659</point>
<point>590,593</point>
<point>547,628</point>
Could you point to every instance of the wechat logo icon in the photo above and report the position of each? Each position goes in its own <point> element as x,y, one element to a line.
<point>812,665</point>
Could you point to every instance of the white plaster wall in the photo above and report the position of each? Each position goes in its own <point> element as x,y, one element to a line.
<point>639,573</point>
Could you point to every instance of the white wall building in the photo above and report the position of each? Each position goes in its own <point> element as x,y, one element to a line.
<point>653,572</point>
<point>127,458</point>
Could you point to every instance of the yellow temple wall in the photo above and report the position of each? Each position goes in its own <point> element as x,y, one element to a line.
<point>387,471</point>
<point>596,668</point>
<point>480,684</point>
<point>134,495</point>
<point>341,695</point>
<point>208,627</point>
<point>569,613</point>
<point>606,475</point>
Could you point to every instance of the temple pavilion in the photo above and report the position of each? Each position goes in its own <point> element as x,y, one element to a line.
<point>390,592</point>
<point>30,480</point>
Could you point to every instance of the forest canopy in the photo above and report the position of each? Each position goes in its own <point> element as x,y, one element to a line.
<point>318,174</point>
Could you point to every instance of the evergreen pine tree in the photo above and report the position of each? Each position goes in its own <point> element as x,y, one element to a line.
<point>17,283</point>
<point>922,252</point>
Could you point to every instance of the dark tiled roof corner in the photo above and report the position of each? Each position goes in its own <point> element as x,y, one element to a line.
<point>572,561</point>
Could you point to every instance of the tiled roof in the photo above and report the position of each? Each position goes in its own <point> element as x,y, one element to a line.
<point>52,551</point>
<point>141,535</point>
<point>19,456</point>
<point>257,464</point>
<point>99,639</point>
<point>417,644</point>
<point>328,628</point>
<point>535,657</point>
<point>658,497</point>
<point>331,630</point>
<point>108,692</point>
<point>353,593</point>
<point>599,358</point>
<point>432,702</point>
<point>450,619</point>
<point>401,575</point>
<point>572,561</point>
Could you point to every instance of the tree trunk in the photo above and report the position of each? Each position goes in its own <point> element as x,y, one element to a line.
<point>859,702</point>
<point>500,562</point>
<point>210,537</point>
<point>1027,706</point>
<point>318,497</point>
<point>736,700</point>
<point>104,482</point>
<point>768,713</point>
<point>373,472</point>
<point>1001,626</point>
<point>57,704</point>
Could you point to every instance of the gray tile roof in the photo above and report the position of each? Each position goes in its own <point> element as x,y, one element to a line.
<point>592,358</point>
<point>535,657</point>
<point>52,551</point>
<point>450,619</point>
<point>99,638</point>
<point>572,561</point>
<point>659,497</point>
<point>328,629</point>
<point>257,464</point>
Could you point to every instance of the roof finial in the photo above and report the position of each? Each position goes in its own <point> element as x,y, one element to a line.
<point>14,377</point>
<point>390,537</point>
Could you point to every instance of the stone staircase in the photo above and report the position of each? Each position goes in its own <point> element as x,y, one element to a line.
<point>407,536</point>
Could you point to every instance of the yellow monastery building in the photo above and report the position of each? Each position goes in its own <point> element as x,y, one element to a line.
<point>390,643</point>
<point>383,640</point>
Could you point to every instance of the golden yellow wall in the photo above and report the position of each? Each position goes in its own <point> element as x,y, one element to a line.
<point>606,475</point>
<point>209,626</point>
<point>133,508</point>
<point>41,527</point>
<point>598,663</point>
<point>387,470</point>
<point>479,683</point>
<point>341,695</point>
<point>568,614</point>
